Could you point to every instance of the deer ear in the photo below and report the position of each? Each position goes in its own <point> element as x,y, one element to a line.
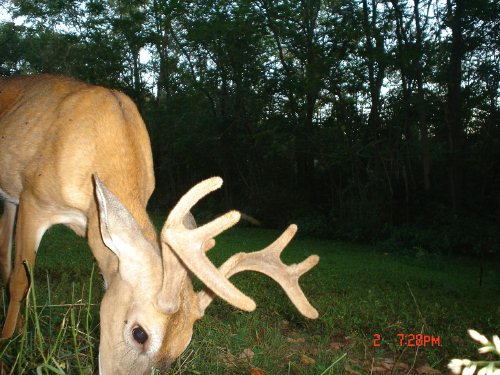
<point>121,233</point>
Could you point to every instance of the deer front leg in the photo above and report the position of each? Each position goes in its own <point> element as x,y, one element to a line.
<point>6,234</point>
<point>31,224</point>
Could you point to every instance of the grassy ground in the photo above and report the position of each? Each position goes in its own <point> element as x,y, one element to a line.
<point>362,294</point>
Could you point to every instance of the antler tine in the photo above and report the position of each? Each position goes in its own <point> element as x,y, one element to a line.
<point>190,246</point>
<point>268,262</point>
<point>192,197</point>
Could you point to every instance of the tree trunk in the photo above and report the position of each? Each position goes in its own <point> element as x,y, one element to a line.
<point>376,67</point>
<point>454,108</point>
<point>163,74</point>
<point>302,114</point>
<point>420,106</point>
<point>136,76</point>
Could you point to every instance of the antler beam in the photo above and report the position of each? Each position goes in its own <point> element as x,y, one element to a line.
<point>190,245</point>
<point>268,262</point>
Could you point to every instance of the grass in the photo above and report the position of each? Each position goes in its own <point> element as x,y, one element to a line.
<point>360,292</point>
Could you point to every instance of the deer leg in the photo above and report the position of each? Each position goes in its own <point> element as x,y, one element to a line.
<point>31,224</point>
<point>6,234</point>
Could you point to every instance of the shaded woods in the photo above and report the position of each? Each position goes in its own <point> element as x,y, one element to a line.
<point>365,120</point>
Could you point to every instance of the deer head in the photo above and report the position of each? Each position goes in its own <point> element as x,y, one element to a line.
<point>55,133</point>
<point>150,306</point>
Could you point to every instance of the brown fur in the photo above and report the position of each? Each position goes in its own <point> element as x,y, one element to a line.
<point>79,155</point>
<point>55,133</point>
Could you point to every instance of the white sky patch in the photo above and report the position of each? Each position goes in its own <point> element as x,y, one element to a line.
<point>144,56</point>
<point>146,74</point>
<point>5,16</point>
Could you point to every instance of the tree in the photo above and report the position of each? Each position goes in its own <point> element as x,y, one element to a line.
<point>341,113</point>
<point>454,108</point>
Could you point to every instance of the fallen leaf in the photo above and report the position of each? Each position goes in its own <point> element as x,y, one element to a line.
<point>247,355</point>
<point>227,358</point>
<point>307,361</point>
<point>256,371</point>
<point>456,340</point>
<point>259,335</point>
<point>377,369</point>
<point>383,366</point>
<point>388,363</point>
<point>335,346</point>
<point>338,342</point>
<point>427,370</point>
<point>351,371</point>
<point>297,340</point>
<point>403,366</point>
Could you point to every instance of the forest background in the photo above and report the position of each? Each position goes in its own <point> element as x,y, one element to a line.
<point>373,121</point>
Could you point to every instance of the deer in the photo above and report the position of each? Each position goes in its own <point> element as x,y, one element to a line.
<point>77,154</point>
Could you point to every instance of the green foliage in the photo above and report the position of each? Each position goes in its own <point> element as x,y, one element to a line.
<point>446,235</point>
<point>358,290</point>
<point>55,338</point>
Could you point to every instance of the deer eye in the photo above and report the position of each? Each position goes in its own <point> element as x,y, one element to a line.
<point>139,335</point>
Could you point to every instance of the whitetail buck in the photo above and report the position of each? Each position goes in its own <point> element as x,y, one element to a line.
<point>80,155</point>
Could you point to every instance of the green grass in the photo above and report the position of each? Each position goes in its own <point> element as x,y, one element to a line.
<point>360,291</point>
